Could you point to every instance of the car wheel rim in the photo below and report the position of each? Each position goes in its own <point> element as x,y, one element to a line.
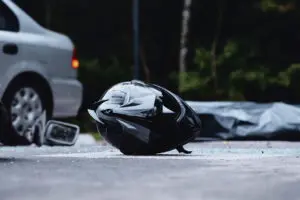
<point>26,107</point>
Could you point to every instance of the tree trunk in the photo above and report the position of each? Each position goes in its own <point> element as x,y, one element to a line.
<point>183,41</point>
<point>144,63</point>
<point>213,52</point>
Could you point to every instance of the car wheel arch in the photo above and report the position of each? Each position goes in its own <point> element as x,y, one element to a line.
<point>35,78</point>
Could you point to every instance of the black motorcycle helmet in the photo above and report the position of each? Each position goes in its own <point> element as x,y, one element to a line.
<point>143,119</point>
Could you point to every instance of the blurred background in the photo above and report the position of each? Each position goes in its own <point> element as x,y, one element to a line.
<point>236,50</point>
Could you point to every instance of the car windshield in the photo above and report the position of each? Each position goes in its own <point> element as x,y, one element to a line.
<point>2,22</point>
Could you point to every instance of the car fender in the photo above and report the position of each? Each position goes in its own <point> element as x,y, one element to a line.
<point>19,68</point>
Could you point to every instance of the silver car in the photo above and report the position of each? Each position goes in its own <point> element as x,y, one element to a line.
<point>38,69</point>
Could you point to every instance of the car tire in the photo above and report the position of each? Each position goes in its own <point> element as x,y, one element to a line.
<point>28,112</point>
<point>7,134</point>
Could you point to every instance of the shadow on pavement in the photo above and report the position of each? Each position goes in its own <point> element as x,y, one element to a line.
<point>12,159</point>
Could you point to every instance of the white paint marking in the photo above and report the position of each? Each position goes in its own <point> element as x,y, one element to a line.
<point>165,156</point>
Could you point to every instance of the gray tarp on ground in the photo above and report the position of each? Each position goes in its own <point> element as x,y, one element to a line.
<point>247,120</point>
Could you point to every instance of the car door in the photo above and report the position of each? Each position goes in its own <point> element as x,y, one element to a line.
<point>9,49</point>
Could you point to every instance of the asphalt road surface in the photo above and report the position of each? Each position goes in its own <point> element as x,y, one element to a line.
<point>214,171</point>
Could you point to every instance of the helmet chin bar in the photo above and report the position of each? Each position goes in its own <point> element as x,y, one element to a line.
<point>142,119</point>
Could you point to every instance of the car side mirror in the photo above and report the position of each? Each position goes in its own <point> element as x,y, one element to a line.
<point>59,133</point>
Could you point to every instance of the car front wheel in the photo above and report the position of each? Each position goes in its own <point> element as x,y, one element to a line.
<point>25,102</point>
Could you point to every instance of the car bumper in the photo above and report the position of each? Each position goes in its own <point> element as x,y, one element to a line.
<point>67,97</point>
